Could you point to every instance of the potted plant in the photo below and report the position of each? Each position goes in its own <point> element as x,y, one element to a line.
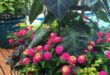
<point>77,35</point>
<point>11,13</point>
<point>51,58</point>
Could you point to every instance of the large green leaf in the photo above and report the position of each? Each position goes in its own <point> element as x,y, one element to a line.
<point>75,39</point>
<point>39,35</point>
<point>102,15</point>
<point>36,9</point>
<point>106,6</point>
<point>75,33</point>
<point>58,7</point>
<point>101,8</point>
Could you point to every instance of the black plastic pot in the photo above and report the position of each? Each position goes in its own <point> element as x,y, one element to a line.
<point>7,26</point>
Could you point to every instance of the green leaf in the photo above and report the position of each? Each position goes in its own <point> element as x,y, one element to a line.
<point>58,7</point>
<point>106,6</point>
<point>43,64</point>
<point>75,33</point>
<point>39,35</point>
<point>36,9</point>
<point>102,15</point>
<point>105,68</point>
<point>101,5</point>
<point>74,39</point>
<point>2,9</point>
<point>76,70</point>
<point>26,69</point>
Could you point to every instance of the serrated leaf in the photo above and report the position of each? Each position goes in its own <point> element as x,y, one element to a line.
<point>2,9</point>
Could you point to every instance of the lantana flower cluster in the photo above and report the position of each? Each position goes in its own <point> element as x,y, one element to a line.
<point>103,37</point>
<point>104,41</point>
<point>100,50</point>
<point>41,56</point>
<point>23,36</point>
<point>50,51</point>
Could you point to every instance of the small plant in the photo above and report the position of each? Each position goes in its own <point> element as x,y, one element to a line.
<point>11,8</point>
<point>21,37</point>
<point>103,40</point>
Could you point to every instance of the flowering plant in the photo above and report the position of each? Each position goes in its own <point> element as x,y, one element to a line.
<point>21,37</point>
<point>52,59</point>
<point>104,40</point>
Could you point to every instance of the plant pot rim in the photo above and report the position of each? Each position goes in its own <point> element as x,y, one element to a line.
<point>12,20</point>
<point>12,17</point>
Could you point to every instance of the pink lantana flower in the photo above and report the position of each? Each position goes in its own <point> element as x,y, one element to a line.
<point>47,56</point>
<point>39,48</point>
<point>65,56</point>
<point>108,39</point>
<point>82,59</point>
<point>22,32</point>
<point>72,60</point>
<point>99,40</point>
<point>100,34</point>
<point>16,34</point>
<point>26,61</point>
<point>50,41</point>
<point>90,47</point>
<point>108,34</point>
<point>47,47</point>
<point>11,41</point>
<point>59,50</point>
<point>37,58</point>
<point>31,52</point>
<point>58,39</point>
<point>53,35</point>
<point>92,43</point>
<point>108,54</point>
<point>103,73</point>
<point>66,70</point>
<point>30,73</point>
